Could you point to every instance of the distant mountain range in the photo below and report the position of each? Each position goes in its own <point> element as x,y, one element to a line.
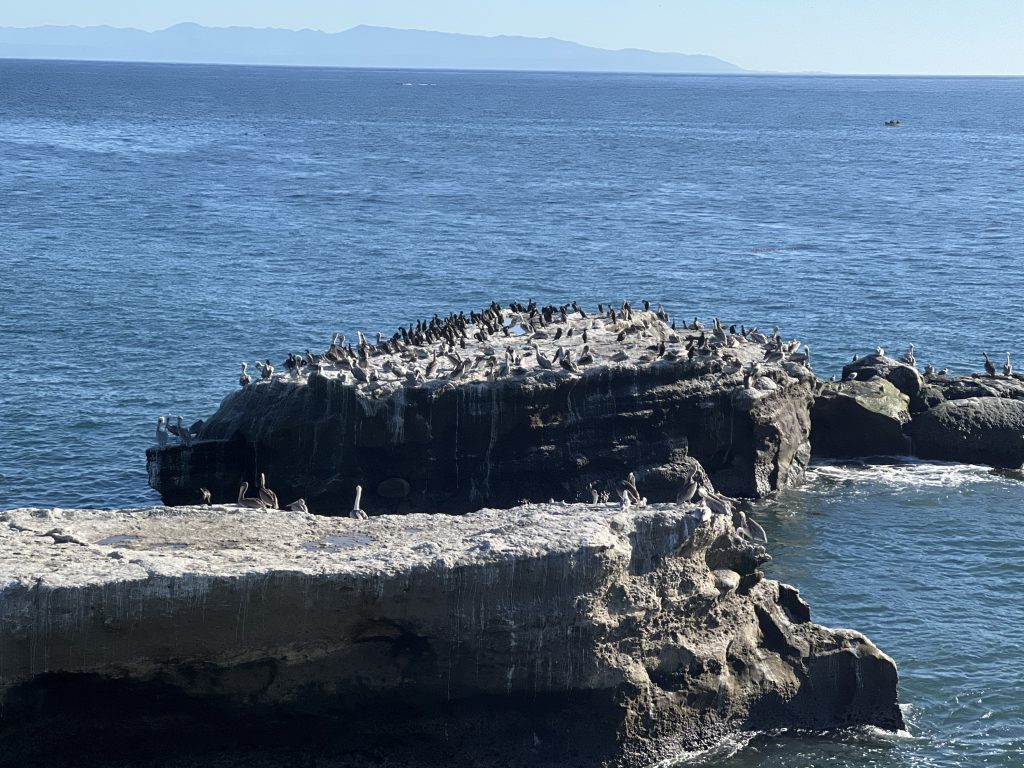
<point>362,46</point>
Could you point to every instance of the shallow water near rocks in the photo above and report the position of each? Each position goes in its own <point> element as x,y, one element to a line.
<point>161,223</point>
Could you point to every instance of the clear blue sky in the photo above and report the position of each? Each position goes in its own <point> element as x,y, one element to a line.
<point>866,36</point>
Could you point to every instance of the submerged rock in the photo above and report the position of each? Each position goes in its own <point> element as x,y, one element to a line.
<point>541,635</point>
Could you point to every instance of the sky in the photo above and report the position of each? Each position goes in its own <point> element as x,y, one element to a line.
<point>959,37</point>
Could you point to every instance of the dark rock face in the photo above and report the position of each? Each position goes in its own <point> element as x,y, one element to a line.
<point>460,447</point>
<point>860,418</point>
<point>977,430</point>
<point>542,635</point>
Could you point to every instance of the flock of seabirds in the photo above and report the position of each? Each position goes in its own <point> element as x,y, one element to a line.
<point>530,340</point>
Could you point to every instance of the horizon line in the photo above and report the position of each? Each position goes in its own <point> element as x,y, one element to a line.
<point>742,71</point>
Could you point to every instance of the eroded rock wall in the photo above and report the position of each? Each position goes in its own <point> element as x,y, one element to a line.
<point>461,447</point>
<point>550,634</point>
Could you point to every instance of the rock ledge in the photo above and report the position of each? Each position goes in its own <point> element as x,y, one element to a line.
<point>603,636</point>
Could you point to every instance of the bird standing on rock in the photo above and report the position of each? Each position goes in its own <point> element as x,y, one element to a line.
<point>990,368</point>
<point>1007,367</point>
<point>249,501</point>
<point>357,513</point>
<point>245,379</point>
<point>267,496</point>
<point>686,493</point>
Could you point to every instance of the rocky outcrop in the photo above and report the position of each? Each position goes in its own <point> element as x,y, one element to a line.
<point>974,430</point>
<point>552,635</point>
<point>860,418</point>
<point>459,445</point>
<point>906,378</point>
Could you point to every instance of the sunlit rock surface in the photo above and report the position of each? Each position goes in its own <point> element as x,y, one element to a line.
<point>553,634</point>
<point>463,440</point>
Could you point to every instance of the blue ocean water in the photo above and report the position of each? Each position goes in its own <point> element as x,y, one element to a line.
<point>161,223</point>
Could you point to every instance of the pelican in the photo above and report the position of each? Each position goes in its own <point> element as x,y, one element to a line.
<point>1007,367</point>
<point>990,369</point>
<point>686,493</point>
<point>299,505</point>
<point>249,501</point>
<point>161,432</point>
<point>715,503</point>
<point>205,493</point>
<point>543,361</point>
<point>267,496</point>
<point>908,357</point>
<point>566,361</point>
<point>245,379</point>
<point>356,512</point>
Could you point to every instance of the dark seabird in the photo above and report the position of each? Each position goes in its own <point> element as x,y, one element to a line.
<point>687,492</point>
<point>990,369</point>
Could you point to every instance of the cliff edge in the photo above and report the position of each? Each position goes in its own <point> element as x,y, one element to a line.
<point>544,634</point>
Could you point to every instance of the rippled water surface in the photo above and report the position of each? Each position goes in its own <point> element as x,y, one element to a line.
<point>158,224</point>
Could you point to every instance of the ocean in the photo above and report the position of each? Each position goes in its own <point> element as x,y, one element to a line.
<point>161,223</point>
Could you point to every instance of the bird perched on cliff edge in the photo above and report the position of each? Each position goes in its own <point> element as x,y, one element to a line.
<point>1007,367</point>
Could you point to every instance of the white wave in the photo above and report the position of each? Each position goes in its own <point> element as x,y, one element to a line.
<point>722,750</point>
<point>902,473</point>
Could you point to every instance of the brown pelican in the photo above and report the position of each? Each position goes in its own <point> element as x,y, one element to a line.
<point>205,493</point>
<point>715,503</point>
<point>1007,367</point>
<point>686,493</point>
<point>179,431</point>
<point>543,361</point>
<point>245,379</point>
<point>990,369</point>
<point>267,496</point>
<point>907,357</point>
<point>356,512</point>
<point>299,505</point>
<point>161,432</point>
<point>566,361</point>
<point>249,501</point>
